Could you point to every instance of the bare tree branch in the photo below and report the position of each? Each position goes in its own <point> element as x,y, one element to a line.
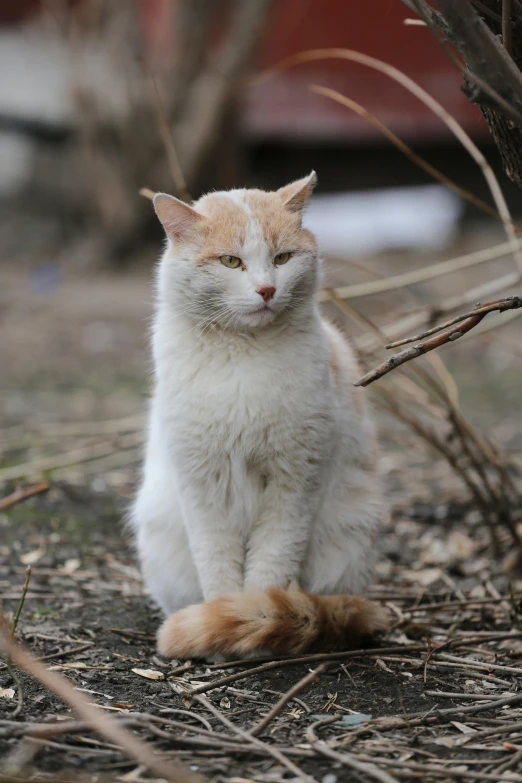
<point>492,76</point>
<point>453,330</point>
<point>483,52</point>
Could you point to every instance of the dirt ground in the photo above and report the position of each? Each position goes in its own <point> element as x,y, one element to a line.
<point>440,698</point>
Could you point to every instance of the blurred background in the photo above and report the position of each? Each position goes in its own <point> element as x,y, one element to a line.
<point>99,99</point>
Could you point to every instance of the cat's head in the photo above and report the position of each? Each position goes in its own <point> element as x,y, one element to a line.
<point>239,258</point>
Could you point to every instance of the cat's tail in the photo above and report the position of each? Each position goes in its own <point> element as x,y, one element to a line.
<point>277,621</point>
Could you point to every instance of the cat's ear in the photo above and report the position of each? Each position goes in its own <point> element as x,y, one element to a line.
<point>177,218</point>
<point>297,194</point>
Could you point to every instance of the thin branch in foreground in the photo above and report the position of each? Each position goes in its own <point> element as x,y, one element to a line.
<point>286,697</point>
<point>14,624</point>
<point>449,335</point>
<point>22,493</point>
<point>509,303</point>
<point>173,771</point>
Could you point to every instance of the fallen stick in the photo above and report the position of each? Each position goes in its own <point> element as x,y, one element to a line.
<point>172,771</point>
<point>22,493</point>
<point>285,698</point>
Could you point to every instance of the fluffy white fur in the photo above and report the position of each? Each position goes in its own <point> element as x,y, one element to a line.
<point>259,463</point>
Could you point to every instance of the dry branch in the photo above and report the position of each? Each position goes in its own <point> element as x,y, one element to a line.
<point>12,632</point>
<point>246,735</point>
<point>492,74</point>
<point>434,172</point>
<point>176,171</point>
<point>484,54</point>
<point>457,327</point>
<point>286,697</point>
<point>22,493</point>
<point>173,771</point>
<point>433,271</point>
<point>348,759</point>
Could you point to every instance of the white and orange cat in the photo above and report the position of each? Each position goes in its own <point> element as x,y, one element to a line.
<point>259,499</point>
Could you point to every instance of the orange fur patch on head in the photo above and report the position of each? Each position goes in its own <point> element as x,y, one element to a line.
<point>223,228</point>
<point>223,224</point>
<point>280,226</point>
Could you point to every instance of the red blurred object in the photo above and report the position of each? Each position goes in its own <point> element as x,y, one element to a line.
<point>284,107</point>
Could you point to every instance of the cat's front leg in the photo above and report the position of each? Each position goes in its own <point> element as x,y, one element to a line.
<point>278,542</point>
<point>217,547</point>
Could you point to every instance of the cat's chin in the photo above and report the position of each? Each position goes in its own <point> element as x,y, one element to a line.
<point>258,318</point>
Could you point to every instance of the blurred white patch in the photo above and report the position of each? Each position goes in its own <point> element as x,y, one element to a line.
<point>43,75</point>
<point>397,218</point>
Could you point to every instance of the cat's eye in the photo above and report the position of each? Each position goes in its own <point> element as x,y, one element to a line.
<point>231,261</point>
<point>282,258</point>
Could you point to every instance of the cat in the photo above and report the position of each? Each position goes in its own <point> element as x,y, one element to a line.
<point>259,500</point>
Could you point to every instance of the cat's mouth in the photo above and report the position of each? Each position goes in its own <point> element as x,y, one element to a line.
<point>261,314</point>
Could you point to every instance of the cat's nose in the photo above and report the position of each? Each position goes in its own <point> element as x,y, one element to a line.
<point>266,291</point>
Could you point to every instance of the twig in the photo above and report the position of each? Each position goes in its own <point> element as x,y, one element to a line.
<point>507,28</point>
<point>426,770</point>
<point>413,156</point>
<point>75,457</point>
<point>288,696</point>
<point>451,695</point>
<point>347,759</point>
<point>274,664</point>
<point>465,324</point>
<point>423,718</point>
<point>505,727</point>
<point>454,662</point>
<point>14,624</point>
<point>430,272</point>
<point>414,320</point>
<point>433,607</point>
<point>175,772</point>
<point>277,754</point>
<point>500,304</point>
<point>22,493</point>
<point>340,656</point>
<point>168,142</point>
<point>66,653</point>
<point>514,761</point>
